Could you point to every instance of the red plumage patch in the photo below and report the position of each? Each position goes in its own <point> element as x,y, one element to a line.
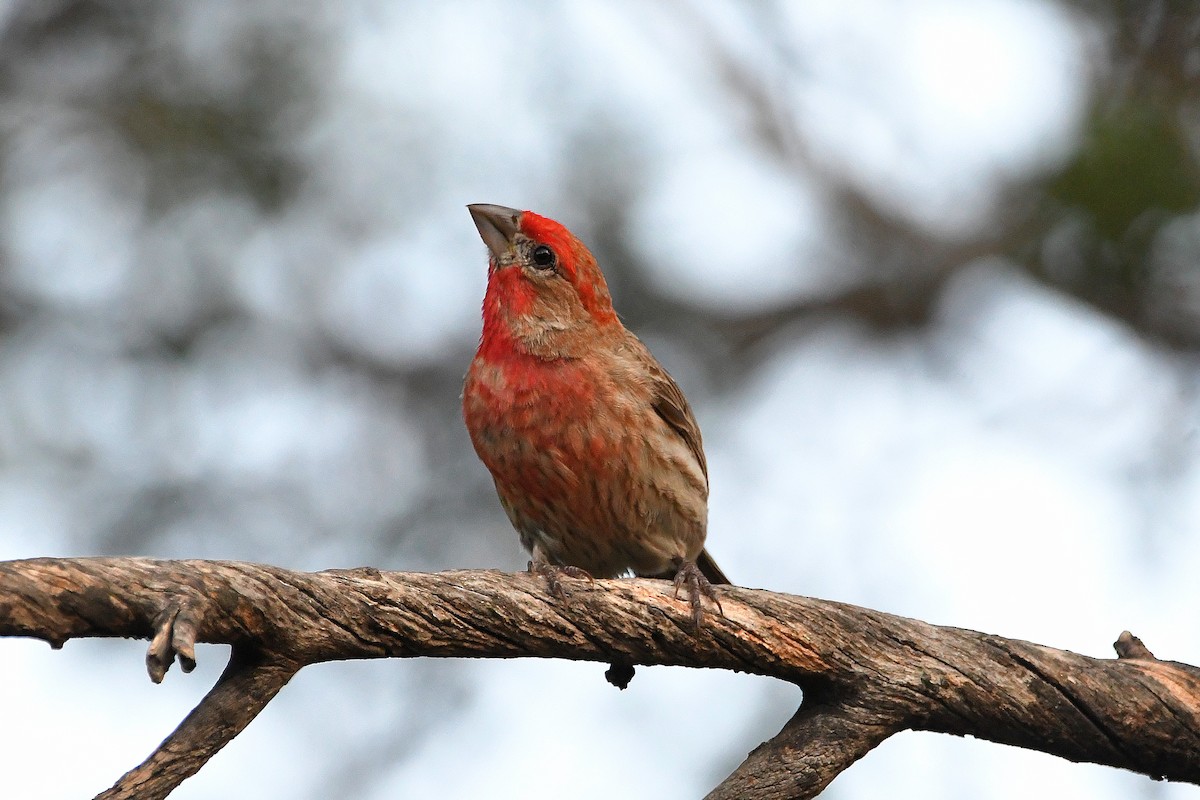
<point>576,262</point>
<point>561,241</point>
<point>507,291</point>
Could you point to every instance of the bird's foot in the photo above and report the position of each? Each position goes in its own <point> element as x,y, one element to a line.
<point>553,574</point>
<point>698,587</point>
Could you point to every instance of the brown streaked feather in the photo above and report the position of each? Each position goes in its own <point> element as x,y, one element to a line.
<point>670,404</point>
<point>710,570</point>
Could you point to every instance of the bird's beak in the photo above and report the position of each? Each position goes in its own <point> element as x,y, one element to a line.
<point>497,226</point>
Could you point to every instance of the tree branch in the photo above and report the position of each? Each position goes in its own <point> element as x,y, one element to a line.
<point>814,747</point>
<point>865,674</point>
<point>243,690</point>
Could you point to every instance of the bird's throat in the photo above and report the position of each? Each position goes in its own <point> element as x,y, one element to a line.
<point>518,323</point>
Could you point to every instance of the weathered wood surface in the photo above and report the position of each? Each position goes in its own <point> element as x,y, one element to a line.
<point>865,674</point>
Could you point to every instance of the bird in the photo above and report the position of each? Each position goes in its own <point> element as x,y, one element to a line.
<point>595,453</point>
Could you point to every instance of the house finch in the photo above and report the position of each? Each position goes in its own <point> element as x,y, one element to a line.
<point>593,449</point>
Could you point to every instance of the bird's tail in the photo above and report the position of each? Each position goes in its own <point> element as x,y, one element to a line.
<point>709,568</point>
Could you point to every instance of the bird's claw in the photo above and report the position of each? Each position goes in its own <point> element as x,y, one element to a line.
<point>698,586</point>
<point>553,573</point>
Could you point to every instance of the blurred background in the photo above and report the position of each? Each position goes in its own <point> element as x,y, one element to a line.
<point>928,271</point>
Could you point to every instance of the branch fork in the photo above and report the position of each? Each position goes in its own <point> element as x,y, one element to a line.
<point>866,675</point>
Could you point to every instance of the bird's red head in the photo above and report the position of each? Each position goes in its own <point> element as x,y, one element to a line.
<point>545,292</point>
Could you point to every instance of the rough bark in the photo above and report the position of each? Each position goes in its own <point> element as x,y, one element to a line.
<point>865,674</point>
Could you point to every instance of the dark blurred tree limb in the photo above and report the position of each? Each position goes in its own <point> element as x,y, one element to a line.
<point>1109,225</point>
<point>866,675</point>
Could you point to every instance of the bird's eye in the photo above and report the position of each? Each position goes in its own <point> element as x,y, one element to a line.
<point>543,257</point>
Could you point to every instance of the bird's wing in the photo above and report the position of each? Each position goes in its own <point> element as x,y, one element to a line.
<point>670,404</point>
